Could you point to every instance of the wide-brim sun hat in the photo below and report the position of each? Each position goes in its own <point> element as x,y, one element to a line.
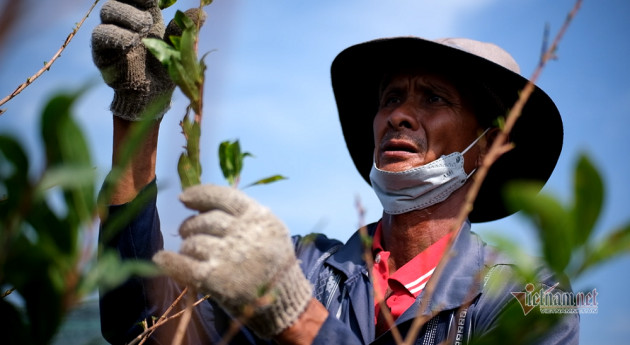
<point>357,73</point>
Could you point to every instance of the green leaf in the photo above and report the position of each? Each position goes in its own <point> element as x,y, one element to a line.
<point>589,197</point>
<point>14,153</point>
<point>239,158</point>
<point>65,144</point>
<point>192,131</point>
<point>176,41</point>
<point>32,267</point>
<point>231,160</point>
<point>166,3</point>
<point>13,176</point>
<point>109,271</point>
<point>162,51</point>
<point>551,219</point>
<point>188,175</point>
<point>57,236</point>
<point>44,306</point>
<point>67,176</point>
<point>189,166</point>
<point>615,244</point>
<point>180,59</point>
<point>527,265</point>
<point>226,161</point>
<point>189,55</point>
<point>206,2</point>
<point>182,20</point>
<point>202,63</point>
<point>267,180</point>
<point>62,233</point>
<point>63,140</point>
<point>190,70</point>
<point>183,80</point>
<point>512,324</point>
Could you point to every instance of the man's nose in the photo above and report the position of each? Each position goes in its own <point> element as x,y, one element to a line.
<point>403,116</point>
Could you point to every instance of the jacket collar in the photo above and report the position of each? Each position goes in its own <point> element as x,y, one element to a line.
<point>349,258</point>
<point>458,283</point>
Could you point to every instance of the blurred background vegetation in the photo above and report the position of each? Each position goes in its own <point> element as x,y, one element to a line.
<point>49,211</point>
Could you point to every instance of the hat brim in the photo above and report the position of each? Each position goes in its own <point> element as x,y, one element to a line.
<point>537,136</point>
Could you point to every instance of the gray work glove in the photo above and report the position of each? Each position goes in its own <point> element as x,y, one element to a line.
<point>137,77</point>
<point>237,251</point>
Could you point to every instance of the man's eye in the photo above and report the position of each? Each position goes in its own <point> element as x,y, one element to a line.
<point>389,100</point>
<point>434,98</point>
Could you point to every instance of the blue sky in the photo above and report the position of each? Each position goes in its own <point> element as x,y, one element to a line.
<point>268,85</point>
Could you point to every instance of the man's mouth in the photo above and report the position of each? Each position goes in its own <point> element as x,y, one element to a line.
<point>398,145</point>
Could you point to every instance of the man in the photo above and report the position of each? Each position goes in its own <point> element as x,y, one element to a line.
<point>418,117</point>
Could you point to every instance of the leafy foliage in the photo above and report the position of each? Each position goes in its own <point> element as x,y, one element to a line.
<point>41,253</point>
<point>180,59</point>
<point>189,165</point>
<point>42,257</point>
<point>166,3</point>
<point>566,236</point>
<point>566,231</point>
<point>231,161</point>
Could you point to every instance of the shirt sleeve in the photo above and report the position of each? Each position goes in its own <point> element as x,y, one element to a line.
<point>334,331</point>
<point>132,230</point>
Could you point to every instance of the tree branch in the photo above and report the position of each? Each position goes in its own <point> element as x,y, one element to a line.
<point>48,64</point>
<point>499,146</point>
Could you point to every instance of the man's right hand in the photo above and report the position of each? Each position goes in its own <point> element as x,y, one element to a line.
<point>240,254</point>
<point>137,77</point>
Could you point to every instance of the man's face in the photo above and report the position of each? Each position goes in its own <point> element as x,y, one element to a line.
<point>420,118</point>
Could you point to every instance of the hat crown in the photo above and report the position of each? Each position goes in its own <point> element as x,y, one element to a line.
<point>488,51</point>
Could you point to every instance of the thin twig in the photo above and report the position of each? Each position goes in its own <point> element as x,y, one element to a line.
<point>185,320</point>
<point>48,64</point>
<point>499,146</point>
<point>367,257</point>
<point>141,338</point>
<point>378,294</point>
<point>146,335</point>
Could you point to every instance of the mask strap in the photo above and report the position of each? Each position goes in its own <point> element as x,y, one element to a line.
<point>471,145</point>
<point>476,140</point>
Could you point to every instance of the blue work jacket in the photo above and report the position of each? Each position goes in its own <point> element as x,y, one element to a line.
<point>460,309</point>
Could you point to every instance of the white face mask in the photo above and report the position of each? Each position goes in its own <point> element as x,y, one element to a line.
<point>422,186</point>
